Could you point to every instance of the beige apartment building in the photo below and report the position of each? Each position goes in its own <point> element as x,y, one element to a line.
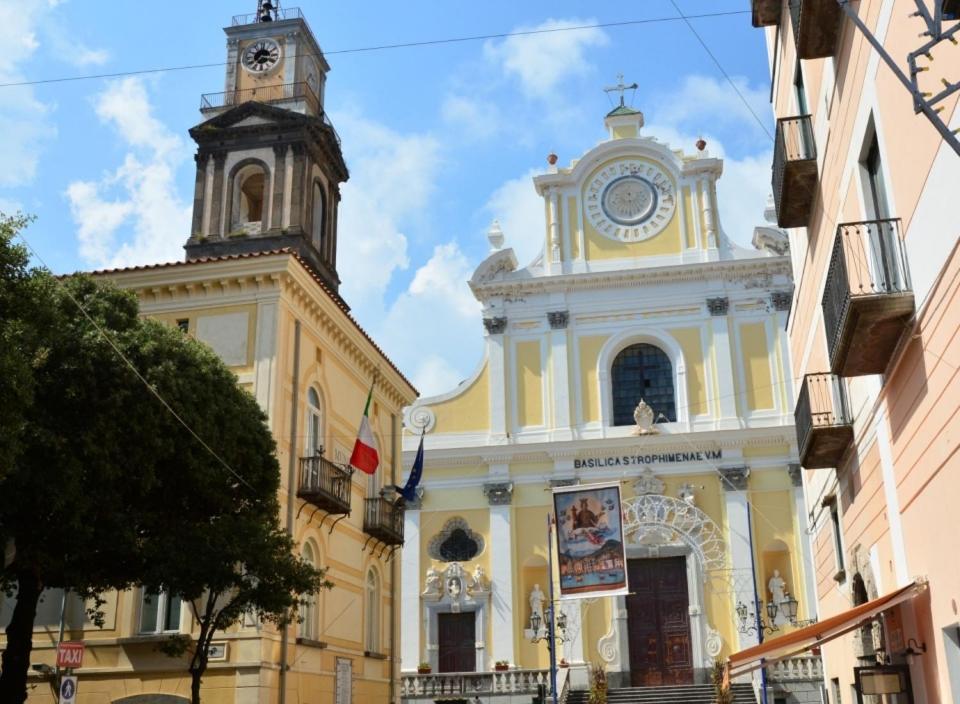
<point>866,177</point>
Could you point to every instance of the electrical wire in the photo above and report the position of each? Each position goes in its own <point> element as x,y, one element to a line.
<point>686,19</point>
<point>385,47</point>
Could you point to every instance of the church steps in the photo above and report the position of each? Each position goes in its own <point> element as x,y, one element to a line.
<point>681,694</point>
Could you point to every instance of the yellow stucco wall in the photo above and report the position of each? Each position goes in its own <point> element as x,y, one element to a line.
<point>529,383</point>
<point>691,343</point>
<point>589,384</point>
<point>756,366</point>
<point>469,410</point>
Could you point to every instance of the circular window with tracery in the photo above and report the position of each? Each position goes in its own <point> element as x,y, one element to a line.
<point>455,542</point>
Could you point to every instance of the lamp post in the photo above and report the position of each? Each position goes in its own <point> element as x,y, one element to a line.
<point>555,626</point>
<point>751,623</point>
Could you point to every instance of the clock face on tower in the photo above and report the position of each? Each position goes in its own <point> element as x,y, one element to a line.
<point>261,56</point>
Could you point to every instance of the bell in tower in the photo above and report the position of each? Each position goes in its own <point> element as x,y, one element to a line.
<point>269,163</point>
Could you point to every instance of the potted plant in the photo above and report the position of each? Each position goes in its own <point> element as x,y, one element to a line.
<point>501,666</point>
<point>424,668</point>
<point>721,685</point>
<point>598,684</point>
<point>563,663</point>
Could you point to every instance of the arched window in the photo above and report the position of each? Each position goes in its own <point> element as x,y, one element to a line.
<point>314,423</point>
<point>308,607</point>
<point>642,372</point>
<point>318,215</point>
<point>249,199</point>
<point>372,636</point>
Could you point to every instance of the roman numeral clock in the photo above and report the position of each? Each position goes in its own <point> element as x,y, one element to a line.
<point>261,56</point>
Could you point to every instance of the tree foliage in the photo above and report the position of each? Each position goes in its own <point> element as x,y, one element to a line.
<point>102,487</point>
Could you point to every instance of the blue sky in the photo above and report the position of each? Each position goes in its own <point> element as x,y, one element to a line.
<point>439,139</point>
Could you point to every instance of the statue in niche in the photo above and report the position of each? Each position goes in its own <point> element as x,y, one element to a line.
<point>536,602</point>
<point>777,587</point>
<point>479,580</point>
<point>432,586</point>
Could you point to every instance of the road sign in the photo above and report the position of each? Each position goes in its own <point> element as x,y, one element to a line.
<point>69,655</point>
<point>68,689</point>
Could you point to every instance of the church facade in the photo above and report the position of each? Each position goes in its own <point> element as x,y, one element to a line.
<point>642,347</point>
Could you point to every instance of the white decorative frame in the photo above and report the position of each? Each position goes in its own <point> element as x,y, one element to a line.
<point>617,344</point>
<point>471,594</point>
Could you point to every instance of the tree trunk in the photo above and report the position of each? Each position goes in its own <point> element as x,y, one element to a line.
<point>198,663</point>
<point>16,656</point>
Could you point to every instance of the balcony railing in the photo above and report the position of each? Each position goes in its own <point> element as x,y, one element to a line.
<point>868,299</point>
<point>794,170</point>
<point>766,12</point>
<point>471,684</point>
<point>325,485</point>
<point>800,668</point>
<point>290,13</point>
<point>816,27</point>
<point>383,520</point>
<point>823,421</point>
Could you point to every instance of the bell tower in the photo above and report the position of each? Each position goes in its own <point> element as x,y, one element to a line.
<point>269,164</point>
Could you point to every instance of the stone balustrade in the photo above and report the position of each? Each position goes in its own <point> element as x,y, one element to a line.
<point>470,684</point>
<point>801,667</point>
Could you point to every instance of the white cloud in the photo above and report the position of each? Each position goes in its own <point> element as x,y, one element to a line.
<point>391,179</point>
<point>541,61</point>
<point>433,328</point>
<point>477,119</point>
<point>141,192</point>
<point>521,214</point>
<point>702,100</point>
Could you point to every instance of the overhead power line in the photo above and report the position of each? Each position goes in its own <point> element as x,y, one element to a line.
<point>384,47</point>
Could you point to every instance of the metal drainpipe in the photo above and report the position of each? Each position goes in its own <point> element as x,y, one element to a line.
<point>394,662</point>
<point>291,487</point>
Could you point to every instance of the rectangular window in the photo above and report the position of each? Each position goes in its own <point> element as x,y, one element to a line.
<point>831,503</point>
<point>184,324</point>
<point>875,189</point>
<point>799,91</point>
<point>159,612</point>
<point>835,686</point>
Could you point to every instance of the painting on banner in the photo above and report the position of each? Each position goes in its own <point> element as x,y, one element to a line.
<point>590,550</point>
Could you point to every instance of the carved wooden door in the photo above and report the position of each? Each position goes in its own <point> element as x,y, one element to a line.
<point>456,638</point>
<point>658,622</point>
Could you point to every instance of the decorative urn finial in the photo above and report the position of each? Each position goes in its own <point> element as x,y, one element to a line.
<point>495,236</point>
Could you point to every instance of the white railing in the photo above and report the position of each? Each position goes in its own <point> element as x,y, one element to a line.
<point>802,667</point>
<point>473,683</point>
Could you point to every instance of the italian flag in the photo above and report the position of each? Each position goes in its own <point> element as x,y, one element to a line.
<point>365,457</point>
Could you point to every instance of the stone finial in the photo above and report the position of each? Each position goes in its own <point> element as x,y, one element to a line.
<point>495,236</point>
<point>498,493</point>
<point>735,478</point>
<point>495,325</point>
<point>718,306</point>
<point>558,319</point>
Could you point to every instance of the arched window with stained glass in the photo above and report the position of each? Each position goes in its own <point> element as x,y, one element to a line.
<point>643,372</point>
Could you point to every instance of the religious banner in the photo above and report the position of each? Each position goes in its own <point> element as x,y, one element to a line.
<point>590,550</point>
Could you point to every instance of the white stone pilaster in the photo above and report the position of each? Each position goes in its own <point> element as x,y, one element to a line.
<point>410,625</point>
<point>502,624</point>
<point>560,375</point>
<point>496,359</point>
<point>287,188</point>
<point>897,542</point>
<point>741,553</point>
<point>806,552</point>
<point>573,646</point>
<point>554,229</point>
<point>265,353</point>
<point>726,379</point>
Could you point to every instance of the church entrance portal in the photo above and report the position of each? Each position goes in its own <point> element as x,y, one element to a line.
<point>658,622</point>
<point>457,642</point>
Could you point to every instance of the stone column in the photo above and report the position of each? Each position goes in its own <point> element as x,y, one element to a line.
<point>806,554</point>
<point>554,226</point>
<point>196,229</point>
<point>560,375</point>
<point>503,628</point>
<point>279,185</point>
<point>217,227</point>
<point>736,498</point>
<point>298,187</point>
<point>410,624</point>
<point>726,381</point>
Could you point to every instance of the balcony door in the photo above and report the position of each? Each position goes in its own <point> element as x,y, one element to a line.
<point>883,236</point>
<point>456,636</point>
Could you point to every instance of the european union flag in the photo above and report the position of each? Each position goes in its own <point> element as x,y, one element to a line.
<point>409,490</point>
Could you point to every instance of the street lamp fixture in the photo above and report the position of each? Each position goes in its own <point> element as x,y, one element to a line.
<point>559,630</point>
<point>749,623</point>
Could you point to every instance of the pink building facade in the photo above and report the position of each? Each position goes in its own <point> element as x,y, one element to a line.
<point>868,191</point>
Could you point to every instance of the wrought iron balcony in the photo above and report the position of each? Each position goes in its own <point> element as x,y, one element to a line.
<point>290,13</point>
<point>816,27</point>
<point>823,421</point>
<point>868,299</point>
<point>383,521</point>
<point>766,12</point>
<point>795,177</point>
<point>325,485</point>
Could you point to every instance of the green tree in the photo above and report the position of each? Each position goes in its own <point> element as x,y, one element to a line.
<point>104,480</point>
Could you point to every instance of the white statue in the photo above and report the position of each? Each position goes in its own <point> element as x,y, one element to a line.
<point>644,418</point>
<point>432,585</point>
<point>479,580</point>
<point>536,602</point>
<point>687,493</point>
<point>777,588</point>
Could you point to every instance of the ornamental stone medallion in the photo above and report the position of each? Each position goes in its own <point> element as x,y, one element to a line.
<point>630,200</point>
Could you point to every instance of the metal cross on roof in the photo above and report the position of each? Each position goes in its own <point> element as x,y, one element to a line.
<point>620,87</point>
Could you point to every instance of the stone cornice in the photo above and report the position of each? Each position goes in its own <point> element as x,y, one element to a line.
<point>729,271</point>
